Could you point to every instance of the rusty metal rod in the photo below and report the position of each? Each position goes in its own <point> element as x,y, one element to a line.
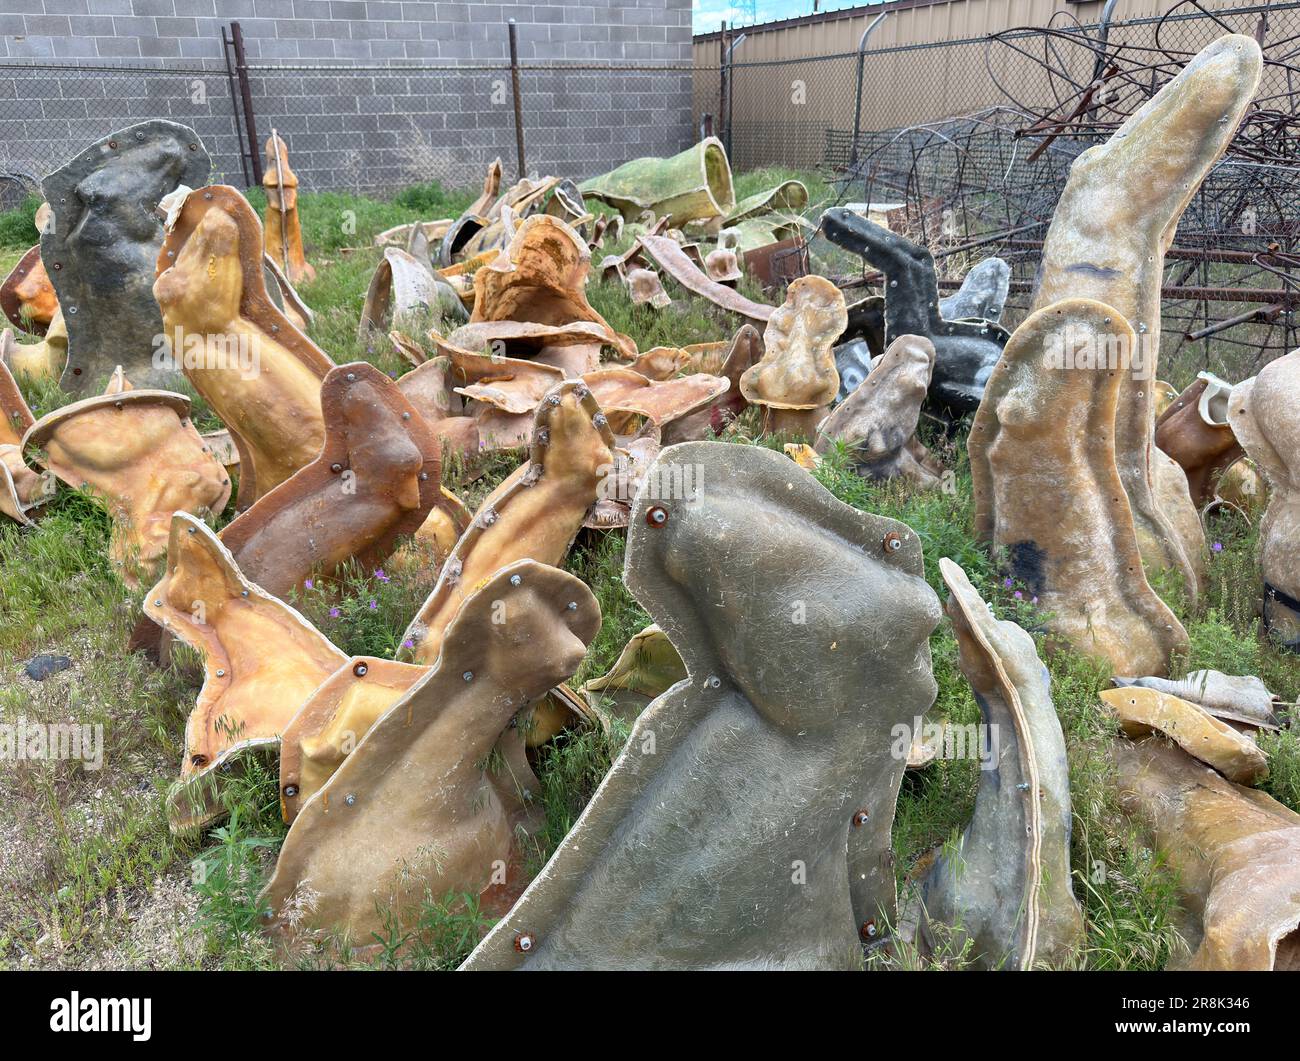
<point>519,105</point>
<point>1258,314</point>
<point>246,92</point>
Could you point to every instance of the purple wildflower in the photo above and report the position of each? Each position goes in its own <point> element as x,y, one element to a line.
<point>374,606</point>
<point>1217,547</point>
<point>334,613</point>
<point>379,574</point>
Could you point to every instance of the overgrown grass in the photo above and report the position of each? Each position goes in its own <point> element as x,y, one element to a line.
<point>94,864</point>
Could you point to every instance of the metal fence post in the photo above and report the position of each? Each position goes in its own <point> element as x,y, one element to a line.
<point>519,106</point>
<point>857,107</point>
<point>246,93</point>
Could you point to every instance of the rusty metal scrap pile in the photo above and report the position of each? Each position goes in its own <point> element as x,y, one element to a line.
<point>986,183</point>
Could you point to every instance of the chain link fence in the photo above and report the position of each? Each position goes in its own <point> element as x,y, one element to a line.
<point>362,128</point>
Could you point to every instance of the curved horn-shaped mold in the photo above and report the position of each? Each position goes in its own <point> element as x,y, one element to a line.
<point>1237,698</point>
<point>261,658</point>
<point>965,352</point>
<point>137,451</point>
<point>21,488</point>
<point>414,810</point>
<point>718,838</point>
<point>1006,884</point>
<point>376,478</point>
<point>1262,412</point>
<point>647,668</point>
<point>1236,853</point>
<point>1190,726</point>
<point>534,514</point>
<point>258,372</point>
<point>1194,431</point>
<point>101,244</point>
<point>879,419</point>
<point>283,239</point>
<point>27,297</point>
<point>668,253</point>
<point>796,380</point>
<point>401,286</point>
<point>1107,241</point>
<point>791,196</point>
<point>1047,490</point>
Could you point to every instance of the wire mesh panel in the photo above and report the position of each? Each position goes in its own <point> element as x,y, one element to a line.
<point>49,112</point>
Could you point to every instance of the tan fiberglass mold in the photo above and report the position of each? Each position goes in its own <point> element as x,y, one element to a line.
<point>415,810</point>
<point>1006,885</point>
<point>283,227</point>
<point>796,380</point>
<point>21,488</point>
<point>1115,220</point>
<point>719,837</point>
<point>1263,414</point>
<point>1194,430</point>
<point>27,297</point>
<point>332,722</point>
<point>1235,851</point>
<point>1142,711</point>
<point>40,360</point>
<point>647,667</point>
<point>694,185</point>
<point>878,420</point>
<point>534,514</point>
<point>541,279</point>
<point>249,694</point>
<point>377,477</point>
<point>258,372</point>
<point>139,453</point>
<point>1047,490</point>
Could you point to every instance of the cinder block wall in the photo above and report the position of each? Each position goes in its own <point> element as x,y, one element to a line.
<point>367,93</point>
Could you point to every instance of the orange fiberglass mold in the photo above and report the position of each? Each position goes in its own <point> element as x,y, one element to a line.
<point>249,694</point>
<point>1194,430</point>
<point>433,798</point>
<point>539,279</point>
<point>21,487</point>
<point>258,372</point>
<point>40,360</point>
<point>137,452</point>
<point>376,478</point>
<point>283,228</point>
<point>27,297</point>
<point>1235,853</point>
<point>534,514</point>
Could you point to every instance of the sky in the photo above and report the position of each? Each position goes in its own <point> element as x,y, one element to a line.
<point>709,14</point>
